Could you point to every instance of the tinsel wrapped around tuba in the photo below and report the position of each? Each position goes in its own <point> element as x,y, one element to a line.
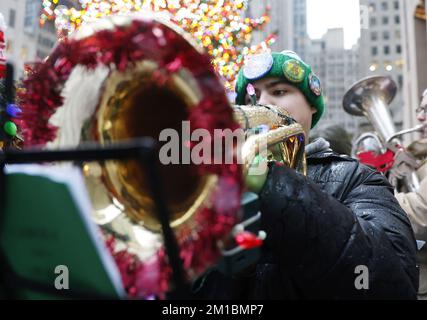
<point>125,77</point>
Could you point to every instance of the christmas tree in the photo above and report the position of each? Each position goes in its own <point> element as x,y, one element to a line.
<point>218,25</point>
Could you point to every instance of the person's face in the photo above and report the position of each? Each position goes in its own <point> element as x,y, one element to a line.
<point>422,116</point>
<point>275,91</point>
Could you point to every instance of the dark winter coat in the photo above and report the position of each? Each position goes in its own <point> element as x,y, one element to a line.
<point>320,229</point>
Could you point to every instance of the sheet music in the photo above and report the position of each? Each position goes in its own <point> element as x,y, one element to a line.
<point>72,178</point>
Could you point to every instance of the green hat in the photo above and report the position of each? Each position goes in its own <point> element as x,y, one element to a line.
<point>286,65</point>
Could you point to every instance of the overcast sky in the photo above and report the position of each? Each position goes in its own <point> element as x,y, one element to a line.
<point>324,14</point>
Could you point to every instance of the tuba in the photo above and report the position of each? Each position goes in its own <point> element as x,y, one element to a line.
<point>125,77</point>
<point>370,97</point>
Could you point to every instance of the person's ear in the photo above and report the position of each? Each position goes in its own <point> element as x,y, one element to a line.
<point>313,110</point>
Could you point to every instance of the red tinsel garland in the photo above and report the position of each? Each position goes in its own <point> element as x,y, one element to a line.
<point>119,49</point>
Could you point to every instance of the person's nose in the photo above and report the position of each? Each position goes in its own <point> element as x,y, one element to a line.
<point>264,98</point>
<point>421,116</point>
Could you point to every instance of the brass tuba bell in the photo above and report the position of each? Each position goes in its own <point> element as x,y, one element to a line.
<point>167,81</point>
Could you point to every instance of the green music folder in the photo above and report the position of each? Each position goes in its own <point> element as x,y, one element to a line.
<point>48,236</point>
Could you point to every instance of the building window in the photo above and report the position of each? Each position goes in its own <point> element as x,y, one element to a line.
<point>46,42</point>
<point>12,17</point>
<point>386,50</point>
<point>372,7</point>
<point>302,19</point>
<point>396,5</point>
<point>397,19</point>
<point>386,35</point>
<point>374,51</point>
<point>385,20</point>
<point>9,46</point>
<point>374,36</point>
<point>41,54</point>
<point>398,48</point>
<point>384,6</point>
<point>373,21</point>
<point>30,18</point>
<point>50,26</point>
<point>24,53</point>
<point>400,80</point>
<point>28,22</point>
<point>397,34</point>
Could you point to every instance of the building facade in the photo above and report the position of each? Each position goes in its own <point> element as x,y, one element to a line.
<point>415,57</point>
<point>300,36</point>
<point>381,52</point>
<point>281,22</point>
<point>26,40</point>
<point>338,69</point>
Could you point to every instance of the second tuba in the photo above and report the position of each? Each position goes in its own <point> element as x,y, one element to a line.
<point>370,97</point>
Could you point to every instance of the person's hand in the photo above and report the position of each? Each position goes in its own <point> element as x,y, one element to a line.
<point>404,164</point>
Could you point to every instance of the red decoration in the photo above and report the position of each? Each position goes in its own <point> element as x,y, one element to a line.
<point>382,162</point>
<point>2,70</point>
<point>149,280</point>
<point>2,58</point>
<point>248,240</point>
<point>118,49</point>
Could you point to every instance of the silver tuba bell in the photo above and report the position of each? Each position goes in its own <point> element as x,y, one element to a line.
<point>371,97</point>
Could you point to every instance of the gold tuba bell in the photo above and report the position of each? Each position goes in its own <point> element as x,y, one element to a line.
<point>165,82</point>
